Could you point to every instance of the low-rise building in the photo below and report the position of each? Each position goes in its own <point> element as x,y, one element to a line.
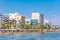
<point>47,22</point>
<point>3,19</point>
<point>27,21</point>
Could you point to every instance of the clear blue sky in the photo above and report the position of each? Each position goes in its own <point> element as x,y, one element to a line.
<point>50,8</point>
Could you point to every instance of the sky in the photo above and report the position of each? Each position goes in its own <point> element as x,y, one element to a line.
<point>50,8</point>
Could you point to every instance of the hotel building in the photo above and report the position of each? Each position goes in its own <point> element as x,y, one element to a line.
<point>37,16</point>
<point>3,19</point>
<point>27,21</point>
<point>19,20</point>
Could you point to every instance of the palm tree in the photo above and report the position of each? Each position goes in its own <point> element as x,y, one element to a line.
<point>4,25</point>
<point>10,23</point>
<point>5,22</point>
<point>7,27</point>
<point>31,24</point>
<point>54,28</point>
<point>34,28</point>
<point>41,27</point>
<point>45,27</point>
<point>14,26</point>
<point>49,27</point>
<point>27,27</point>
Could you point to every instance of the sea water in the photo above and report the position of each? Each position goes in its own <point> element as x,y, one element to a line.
<point>41,36</point>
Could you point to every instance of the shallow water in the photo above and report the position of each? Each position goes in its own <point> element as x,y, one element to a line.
<point>45,36</point>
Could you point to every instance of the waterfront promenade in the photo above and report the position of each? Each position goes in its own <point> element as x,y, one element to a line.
<point>24,31</point>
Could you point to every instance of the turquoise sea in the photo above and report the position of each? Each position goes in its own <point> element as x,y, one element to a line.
<point>45,36</point>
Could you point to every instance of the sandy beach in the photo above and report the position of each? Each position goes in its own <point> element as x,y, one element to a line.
<point>27,31</point>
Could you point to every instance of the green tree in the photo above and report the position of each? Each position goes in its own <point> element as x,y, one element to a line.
<point>10,23</point>
<point>49,27</point>
<point>7,26</point>
<point>41,27</point>
<point>4,25</point>
<point>31,25</point>
<point>27,27</point>
<point>14,26</point>
<point>4,22</point>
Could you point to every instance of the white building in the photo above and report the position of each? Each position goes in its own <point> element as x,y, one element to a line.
<point>27,21</point>
<point>15,16</point>
<point>20,20</point>
<point>38,16</point>
<point>2,18</point>
<point>46,22</point>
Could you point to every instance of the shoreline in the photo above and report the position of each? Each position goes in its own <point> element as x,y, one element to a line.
<point>27,31</point>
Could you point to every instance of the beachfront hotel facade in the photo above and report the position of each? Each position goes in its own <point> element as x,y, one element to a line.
<point>35,19</point>
<point>38,16</point>
<point>19,20</point>
<point>27,21</point>
<point>3,19</point>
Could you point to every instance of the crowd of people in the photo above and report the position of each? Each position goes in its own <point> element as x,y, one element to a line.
<point>25,30</point>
